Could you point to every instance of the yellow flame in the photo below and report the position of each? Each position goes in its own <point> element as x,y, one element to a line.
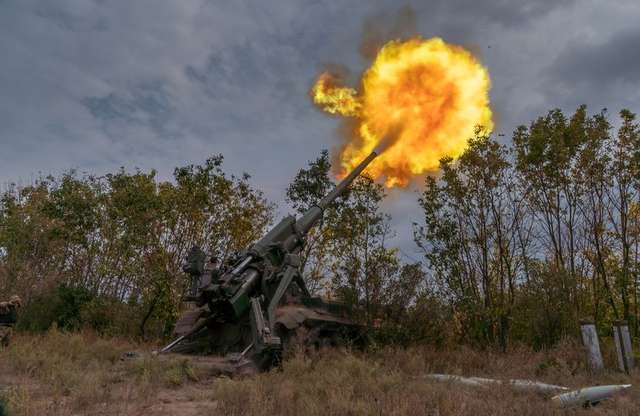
<point>335,100</point>
<point>427,94</point>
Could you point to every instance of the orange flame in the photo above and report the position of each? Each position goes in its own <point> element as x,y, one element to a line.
<point>429,96</point>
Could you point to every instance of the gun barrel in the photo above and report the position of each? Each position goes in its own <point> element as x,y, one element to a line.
<point>328,199</point>
<point>310,217</point>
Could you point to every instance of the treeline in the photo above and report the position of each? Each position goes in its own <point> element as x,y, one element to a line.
<point>525,239</point>
<point>108,251</point>
<point>520,240</point>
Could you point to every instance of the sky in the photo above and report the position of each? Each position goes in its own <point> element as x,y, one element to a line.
<point>95,85</point>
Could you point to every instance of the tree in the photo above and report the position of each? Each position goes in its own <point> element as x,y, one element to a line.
<point>545,154</point>
<point>470,236</point>
<point>307,188</point>
<point>346,254</point>
<point>122,237</point>
<point>623,194</point>
<point>362,264</point>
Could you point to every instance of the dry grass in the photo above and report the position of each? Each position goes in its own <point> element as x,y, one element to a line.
<point>73,374</point>
<point>63,374</point>
<point>391,383</point>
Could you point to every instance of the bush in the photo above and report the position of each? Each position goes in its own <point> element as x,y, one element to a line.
<point>110,317</point>
<point>426,321</point>
<point>72,308</point>
<point>39,314</point>
<point>62,306</point>
<point>541,314</point>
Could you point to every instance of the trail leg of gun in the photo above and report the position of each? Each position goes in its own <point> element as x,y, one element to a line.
<point>173,343</point>
<point>196,328</point>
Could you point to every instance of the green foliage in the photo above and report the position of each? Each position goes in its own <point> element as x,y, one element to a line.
<point>72,308</point>
<point>541,318</point>
<point>305,191</point>
<point>60,306</point>
<point>468,237</point>
<point>523,241</point>
<point>519,239</point>
<point>310,185</point>
<point>70,302</point>
<point>423,319</point>
<point>346,256</point>
<point>106,252</point>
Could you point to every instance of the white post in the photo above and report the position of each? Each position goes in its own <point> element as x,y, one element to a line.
<point>622,338</point>
<point>591,344</point>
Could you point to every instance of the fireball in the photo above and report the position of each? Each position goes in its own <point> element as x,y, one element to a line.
<point>425,97</point>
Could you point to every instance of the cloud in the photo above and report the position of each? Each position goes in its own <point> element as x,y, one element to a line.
<point>95,85</point>
<point>602,72</point>
<point>615,60</point>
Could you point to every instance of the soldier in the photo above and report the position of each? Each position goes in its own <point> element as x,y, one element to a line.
<point>194,267</point>
<point>212,272</point>
<point>8,318</point>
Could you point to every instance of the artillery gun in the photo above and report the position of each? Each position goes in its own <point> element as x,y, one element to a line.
<point>258,305</point>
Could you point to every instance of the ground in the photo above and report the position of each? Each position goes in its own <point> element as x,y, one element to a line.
<point>84,374</point>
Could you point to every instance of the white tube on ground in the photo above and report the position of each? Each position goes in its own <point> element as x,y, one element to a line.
<point>588,395</point>
<point>523,385</point>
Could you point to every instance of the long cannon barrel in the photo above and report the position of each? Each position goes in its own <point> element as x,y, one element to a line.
<point>339,189</point>
<point>241,288</point>
<point>313,214</point>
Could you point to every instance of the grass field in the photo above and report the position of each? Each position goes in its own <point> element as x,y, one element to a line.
<point>83,374</point>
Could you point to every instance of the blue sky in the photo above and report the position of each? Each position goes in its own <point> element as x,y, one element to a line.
<point>97,84</point>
